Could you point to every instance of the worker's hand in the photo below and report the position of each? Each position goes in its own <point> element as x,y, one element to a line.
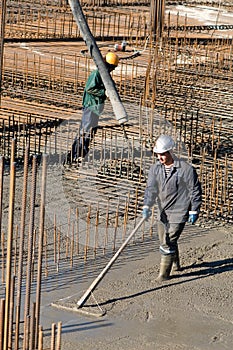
<point>146,212</point>
<point>193,216</point>
<point>106,93</point>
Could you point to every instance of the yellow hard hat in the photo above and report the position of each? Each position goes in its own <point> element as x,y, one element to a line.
<point>112,58</point>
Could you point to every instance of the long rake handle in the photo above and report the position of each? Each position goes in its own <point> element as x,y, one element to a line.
<point>108,266</point>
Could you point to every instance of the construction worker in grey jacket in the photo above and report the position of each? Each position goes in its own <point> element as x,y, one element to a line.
<point>174,184</point>
<point>93,104</point>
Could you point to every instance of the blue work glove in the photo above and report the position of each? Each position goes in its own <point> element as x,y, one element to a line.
<point>146,212</point>
<point>193,216</point>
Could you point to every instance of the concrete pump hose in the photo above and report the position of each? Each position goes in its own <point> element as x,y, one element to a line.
<point>117,105</point>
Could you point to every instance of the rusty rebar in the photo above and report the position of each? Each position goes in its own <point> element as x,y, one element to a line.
<point>2,316</point>
<point>9,250</point>
<point>40,243</point>
<point>1,192</point>
<point>30,242</point>
<point>21,247</point>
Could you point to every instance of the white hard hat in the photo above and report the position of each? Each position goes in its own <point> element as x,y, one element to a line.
<point>163,144</point>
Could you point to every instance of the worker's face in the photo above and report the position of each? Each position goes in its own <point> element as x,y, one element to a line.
<point>165,158</point>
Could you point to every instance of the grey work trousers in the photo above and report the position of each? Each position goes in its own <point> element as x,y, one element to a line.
<point>88,129</point>
<point>169,234</point>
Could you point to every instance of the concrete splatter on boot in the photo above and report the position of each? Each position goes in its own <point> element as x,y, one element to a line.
<point>165,267</point>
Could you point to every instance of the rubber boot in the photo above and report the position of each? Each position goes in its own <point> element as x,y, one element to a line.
<point>176,261</point>
<point>165,267</point>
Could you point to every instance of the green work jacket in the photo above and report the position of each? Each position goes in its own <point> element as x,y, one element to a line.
<point>94,93</point>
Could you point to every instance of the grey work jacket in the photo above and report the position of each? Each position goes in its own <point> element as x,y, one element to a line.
<point>176,194</point>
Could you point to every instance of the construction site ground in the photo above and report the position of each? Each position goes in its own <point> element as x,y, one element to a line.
<point>191,311</point>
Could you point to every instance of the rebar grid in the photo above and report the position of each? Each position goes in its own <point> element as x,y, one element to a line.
<point>185,87</point>
<point>183,83</point>
<point>44,21</point>
<point>29,334</point>
<point>73,242</point>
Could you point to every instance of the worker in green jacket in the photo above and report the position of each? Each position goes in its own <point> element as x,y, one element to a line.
<point>93,104</point>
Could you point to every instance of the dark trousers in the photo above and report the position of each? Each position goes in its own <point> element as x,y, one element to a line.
<point>169,233</point>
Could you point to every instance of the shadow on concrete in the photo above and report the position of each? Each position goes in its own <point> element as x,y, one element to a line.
<point>84,326</point>
<point>212,267</point>
<point>215,267</point>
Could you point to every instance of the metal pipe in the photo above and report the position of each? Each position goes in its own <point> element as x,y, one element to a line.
<point>118,108</point>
